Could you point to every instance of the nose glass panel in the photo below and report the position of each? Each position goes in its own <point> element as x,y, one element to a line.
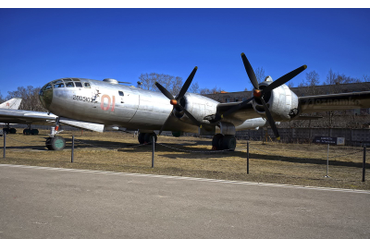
<point>46,95</point>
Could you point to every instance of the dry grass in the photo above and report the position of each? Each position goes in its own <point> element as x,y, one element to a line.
<point>300,164</point>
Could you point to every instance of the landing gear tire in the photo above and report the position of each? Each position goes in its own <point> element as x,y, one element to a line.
<point>146,137</point>
<point>221,142</point>
<point>30,132</point>
<point>217,142</point>
<point>56,143</point>
<point>10,130</point>
<point>229,142</point>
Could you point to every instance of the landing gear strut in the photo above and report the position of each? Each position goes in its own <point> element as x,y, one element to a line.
<point>223,142</point>
<point>54,142</point>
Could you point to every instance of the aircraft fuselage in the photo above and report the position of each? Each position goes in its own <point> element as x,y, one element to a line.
<point>107,103</point>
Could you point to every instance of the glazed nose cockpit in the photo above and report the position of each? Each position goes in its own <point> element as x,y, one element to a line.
<point>47,91</point>
<point>46,95</point>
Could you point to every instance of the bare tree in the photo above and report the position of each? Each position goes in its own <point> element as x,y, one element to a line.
<point>210,91</point>
<point>30,98</point>
<point>171,83</point>
<point>1,98</point>
<point>260,74</point>
<point>194,88</point>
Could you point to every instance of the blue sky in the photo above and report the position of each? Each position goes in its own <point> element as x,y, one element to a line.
<point>40,45</point>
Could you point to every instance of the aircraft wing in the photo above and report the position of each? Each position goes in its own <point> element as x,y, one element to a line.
<point>333,102</point>
<point>238,117</point>
<point>26,117</point>
<point>43,118</point>
<point>307,104</point>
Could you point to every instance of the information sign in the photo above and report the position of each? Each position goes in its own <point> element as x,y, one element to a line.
<point>329,140</point>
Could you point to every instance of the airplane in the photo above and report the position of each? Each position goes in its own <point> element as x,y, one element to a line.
<point>100,105</point>
<point>13,103</point>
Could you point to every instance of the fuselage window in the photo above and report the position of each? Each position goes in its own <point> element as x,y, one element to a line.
<point>78,84</point>
<point>87,85</point>
<point>120,93</point>
<point>70,84</point>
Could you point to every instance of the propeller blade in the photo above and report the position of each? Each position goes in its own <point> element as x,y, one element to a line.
<point>190,116</point>
<point>250,72</point>
<point>284,79</point>
<point>235,108</point>
<point>187,83</point>
<point>165,122</point>
<point>164,91</point>
<point>270,119</point>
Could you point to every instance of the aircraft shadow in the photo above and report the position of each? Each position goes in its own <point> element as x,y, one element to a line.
<point>295,160</point>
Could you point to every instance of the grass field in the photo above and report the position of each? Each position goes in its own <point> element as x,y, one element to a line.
<point>298,164</point>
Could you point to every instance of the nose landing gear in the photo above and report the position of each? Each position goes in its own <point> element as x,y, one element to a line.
<point>54,142</point>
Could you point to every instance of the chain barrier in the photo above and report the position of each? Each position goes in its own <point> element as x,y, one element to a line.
<point>199,151</point>
<point>195,151</point>
<point>28,143</point>
<point>332,157</point>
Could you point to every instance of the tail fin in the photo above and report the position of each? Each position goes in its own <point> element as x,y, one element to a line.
<point>13,103</point>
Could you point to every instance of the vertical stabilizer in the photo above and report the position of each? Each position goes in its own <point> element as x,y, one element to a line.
<point>13,103</point>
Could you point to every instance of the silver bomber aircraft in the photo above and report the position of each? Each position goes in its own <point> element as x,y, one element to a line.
<point>99,105</point>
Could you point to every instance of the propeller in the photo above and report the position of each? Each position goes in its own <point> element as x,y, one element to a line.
<point>259,93</point>
<point>175,101</point>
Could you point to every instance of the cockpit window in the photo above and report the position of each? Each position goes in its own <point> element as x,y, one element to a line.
<point>120,93</point>
<point>57,81</point>
<point>59,85</point>
<point>78,84</point>
<point>48,86</point>
<point>70,84</point>
<point>87,85</point>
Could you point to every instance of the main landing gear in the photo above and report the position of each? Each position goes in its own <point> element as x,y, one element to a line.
<point>223,142</point>
<point>146,137</point>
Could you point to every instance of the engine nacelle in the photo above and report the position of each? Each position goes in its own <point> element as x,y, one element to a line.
<point>282,102</point>
<point>198,106</point>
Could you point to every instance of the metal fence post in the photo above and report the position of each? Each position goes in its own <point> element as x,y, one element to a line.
<point>364,164</point>
<point>4,150</point>
<point>73,148</point>
<point>247,157</point>
<point>153,150</point>
<point>327,163</point>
